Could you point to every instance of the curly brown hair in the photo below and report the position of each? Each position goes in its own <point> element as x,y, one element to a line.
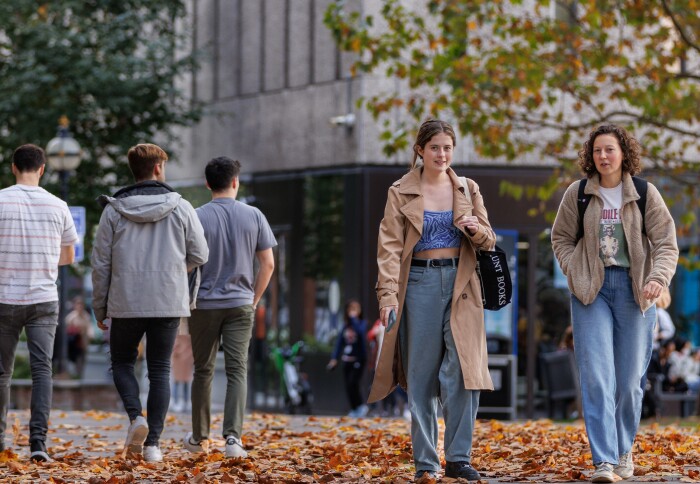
<point>631,151</point>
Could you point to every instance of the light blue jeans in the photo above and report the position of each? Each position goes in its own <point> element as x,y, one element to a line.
<point>613,343</point>
<point>433,371</point>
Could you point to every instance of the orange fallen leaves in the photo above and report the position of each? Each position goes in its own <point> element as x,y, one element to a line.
<point>283,449</point>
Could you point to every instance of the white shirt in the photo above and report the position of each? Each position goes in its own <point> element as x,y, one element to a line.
<point>34,225</point>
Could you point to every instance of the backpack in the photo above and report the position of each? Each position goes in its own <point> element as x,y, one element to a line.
<point>582,201</point>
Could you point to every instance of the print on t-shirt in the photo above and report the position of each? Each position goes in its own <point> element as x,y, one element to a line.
<point>613,246</point>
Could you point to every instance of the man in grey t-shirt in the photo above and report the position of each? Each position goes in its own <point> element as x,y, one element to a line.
<point>237,234</point>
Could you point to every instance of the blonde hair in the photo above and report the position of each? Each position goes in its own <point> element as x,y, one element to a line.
<point>664,300</point>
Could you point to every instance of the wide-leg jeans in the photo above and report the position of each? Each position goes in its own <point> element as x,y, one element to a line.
<point>39,322</point>
<point>125,335</point>
<point>613,344</point>
<point>433,370</point>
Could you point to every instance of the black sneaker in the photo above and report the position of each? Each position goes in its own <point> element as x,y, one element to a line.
<point>462,470</point>
<point>39,454</point>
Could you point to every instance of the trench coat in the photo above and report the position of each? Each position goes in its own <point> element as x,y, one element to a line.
<point>399,231</point>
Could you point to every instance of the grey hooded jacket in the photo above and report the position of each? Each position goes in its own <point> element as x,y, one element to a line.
<point>144,247</point>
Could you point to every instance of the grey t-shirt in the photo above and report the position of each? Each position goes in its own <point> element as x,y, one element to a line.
<point>234,232</point>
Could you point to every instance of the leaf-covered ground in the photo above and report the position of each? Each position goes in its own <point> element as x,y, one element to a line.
<point>87,447</point>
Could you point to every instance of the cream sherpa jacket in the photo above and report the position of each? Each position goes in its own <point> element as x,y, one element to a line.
<point>652,258</point>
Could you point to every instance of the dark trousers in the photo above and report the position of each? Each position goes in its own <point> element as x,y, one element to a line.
<point>353,374</point>
<point>125,336</point>
<point>39,322</point>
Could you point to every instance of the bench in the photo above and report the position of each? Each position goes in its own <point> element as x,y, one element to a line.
<point>561,381</point>
<point>686,400</point>
<point>70,394</point>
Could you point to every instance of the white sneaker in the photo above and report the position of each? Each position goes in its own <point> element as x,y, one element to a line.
<point>177,407</point>
<point>603,473</point>
<point>136,435</point>
<point>234,447</point>
<point>189,444</point>
<point>625,468</point>
<point>152,453</point>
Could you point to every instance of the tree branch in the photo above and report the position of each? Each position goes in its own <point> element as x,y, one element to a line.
<point>678,26</point>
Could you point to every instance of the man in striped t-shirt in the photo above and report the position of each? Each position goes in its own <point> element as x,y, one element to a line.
<point>37,235</point>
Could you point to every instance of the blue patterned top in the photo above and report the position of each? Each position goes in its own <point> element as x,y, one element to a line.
<point>438,231</point>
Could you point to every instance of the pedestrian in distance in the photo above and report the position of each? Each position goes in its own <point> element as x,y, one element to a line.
<point>148,239</point>
<point>183,367</point>
<point>79,331</point>
<point>229,292</point>
<point>351,350</point>
<point>38,235</point>
<point>664,328</point>
<point>614,288</point>
<point>434,222</point>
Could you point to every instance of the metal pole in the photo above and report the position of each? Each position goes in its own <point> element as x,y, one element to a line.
<point>531,322</point>
<point>61,343</point>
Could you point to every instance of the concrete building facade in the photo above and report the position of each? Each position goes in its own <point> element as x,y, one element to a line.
<point>271,79</point>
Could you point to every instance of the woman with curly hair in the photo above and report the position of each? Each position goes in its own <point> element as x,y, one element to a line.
<point>613,295</point>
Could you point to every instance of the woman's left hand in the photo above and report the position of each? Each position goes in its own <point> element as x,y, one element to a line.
<point>469,223</point>
<point>652,290</point>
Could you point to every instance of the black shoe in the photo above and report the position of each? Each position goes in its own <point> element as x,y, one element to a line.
<point>462,470</point>
<point>39,454</point>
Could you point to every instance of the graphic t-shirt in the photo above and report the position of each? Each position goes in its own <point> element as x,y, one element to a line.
<point>613,246</point>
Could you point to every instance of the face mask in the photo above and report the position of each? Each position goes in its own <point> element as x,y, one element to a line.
<point>686,351</point>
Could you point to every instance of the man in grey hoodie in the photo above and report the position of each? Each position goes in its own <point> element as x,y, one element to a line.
<point>148,239</point>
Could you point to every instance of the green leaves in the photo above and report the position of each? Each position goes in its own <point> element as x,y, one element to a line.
<point>520,80</point>
<point>109,66</point>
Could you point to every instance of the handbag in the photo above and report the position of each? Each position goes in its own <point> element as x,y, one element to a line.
<point>496,286</point>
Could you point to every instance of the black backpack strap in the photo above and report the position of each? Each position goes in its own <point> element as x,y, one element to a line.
<point>582,201</point>
<point>641,185</point>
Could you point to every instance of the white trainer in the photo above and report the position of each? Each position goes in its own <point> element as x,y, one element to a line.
<point>136,435</point>
<point>603,473</point>
<point>152,453</point>
<point>234,447</point>
<point>625,468</point>
<point>192,446</point>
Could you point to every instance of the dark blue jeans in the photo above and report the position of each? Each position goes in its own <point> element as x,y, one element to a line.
<point>125,335</point>
<point>39,322</point>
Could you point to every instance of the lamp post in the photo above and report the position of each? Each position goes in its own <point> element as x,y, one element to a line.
<point>63,155</point>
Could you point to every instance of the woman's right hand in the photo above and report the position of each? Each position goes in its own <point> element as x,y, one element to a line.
<point>102,325</point>
<point>384,314</point>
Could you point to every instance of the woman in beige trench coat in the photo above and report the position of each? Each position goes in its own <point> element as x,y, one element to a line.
<point>433,223</point>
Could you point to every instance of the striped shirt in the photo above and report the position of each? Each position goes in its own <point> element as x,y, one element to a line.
<point>33,226</point>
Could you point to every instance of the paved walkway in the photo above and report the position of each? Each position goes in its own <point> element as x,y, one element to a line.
<point>87,447</point>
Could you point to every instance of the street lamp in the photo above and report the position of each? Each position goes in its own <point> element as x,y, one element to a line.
<point>63,154</point>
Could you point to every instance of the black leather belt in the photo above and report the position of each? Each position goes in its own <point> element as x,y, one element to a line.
<point>435,262</point>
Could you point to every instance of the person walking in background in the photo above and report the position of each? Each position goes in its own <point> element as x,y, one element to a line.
<point>148,239</point>
<point>434,222</point>
<point>80,332</point>
<point>664,329</point>
<point>229,292</point>
<point>38,235</point>
<point>612,301</point>
<point>350,348</point>
<point>183,368</point>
